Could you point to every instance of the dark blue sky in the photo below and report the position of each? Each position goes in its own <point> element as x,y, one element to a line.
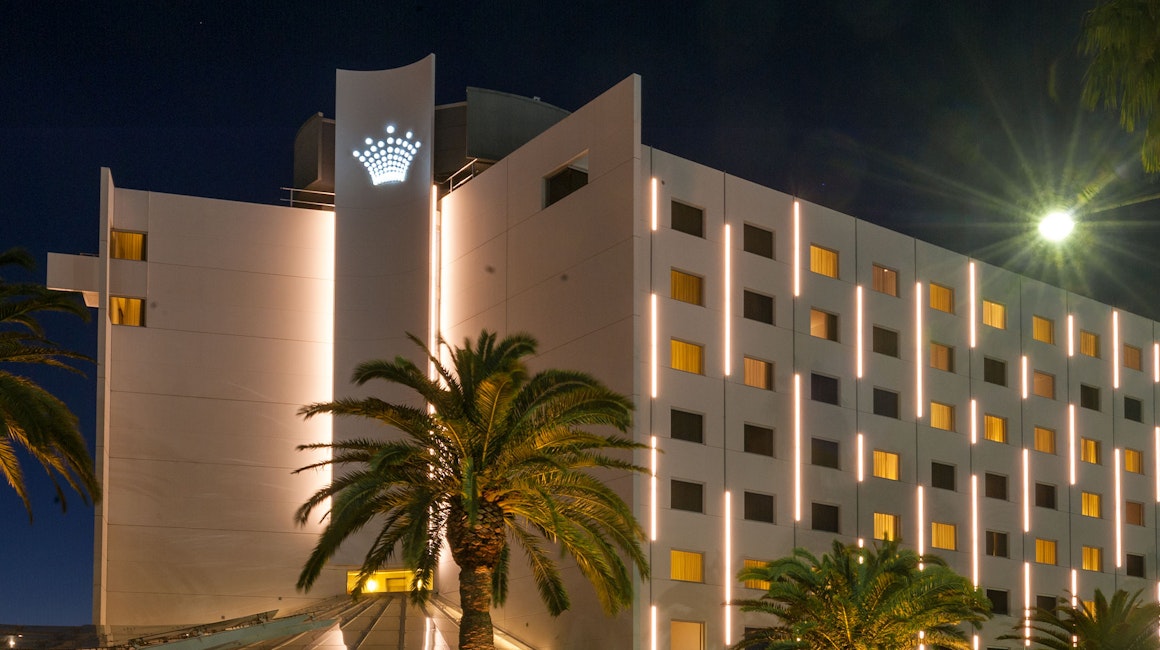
<point>952,122</point>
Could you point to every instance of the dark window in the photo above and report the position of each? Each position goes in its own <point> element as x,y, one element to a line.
<point>824,452</point>
<point>1135,565</point>
<point>994,371</point>
<point>563,183</point>
<point>1089,397</point>
<point>687,426</point>
<point>996,543</point>
<point>886,403</point>
<point>1133,409</point>
<point>1046,603</point>
<point>758,307</point>
<point>687,496</point>
<point>998,599</point>
<point>823,388</point>
<point>995,486</point>
<point>885,341</point>
<point>824,517</point>
<point>758,440</point>
<point>1045,495</point>
<point>688,219</point>
<point>942,476</point>
<point>758,241</point>
<point>759,507</point>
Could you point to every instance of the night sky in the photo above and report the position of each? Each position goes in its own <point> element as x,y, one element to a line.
<point>954,122</point>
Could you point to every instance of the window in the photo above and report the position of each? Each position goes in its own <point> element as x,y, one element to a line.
<point>886,403</point>
<point>942,416</point>
<point>998,598</point>
<point>686,566</point>
<point>1045,551</point>
<point>1133,409</point>
<point>686,426</point>
<point>1045,496</point>
<point>1132,357</point>
<point>1045,440</point>
<point>1134,461</point>
<point>758,307</point>
<point>1089,344</point>
<point>823,261</point>
<point>823,388</point>
<point>994,371</point>
<point>824,517</point>
<point>1043,384</point>
<point>824,453</point>
<point>758,373</point>
<point>565,181</point>
<point>759,440</point>
<point>942,298</point>
<point>688,357</point>
<point>687,219</point>
<point>1046,603</point>
<point>686,635</point>
<point>1089,397</point>
<point>1089,451</point>
<point>1134,565</point>
<point>995,543</point>
<point>995,486</point>
<point>994,428</point>
<point>823,325</point>
<point>759,507</point>
<point>685,287</point>
<point>886,464</point>
<point>994,315</point>
<point>687,496</point>
<point>755,584</point>
<point>758,241</point>
<point>942,536</point>
<point>942,476</point>
<point>386,581</point>
<point>1093,558</point>
<point>1043,329</point>
<point>942,357</point>
<point>1090,503</point>
<point>887,526</point>
<point>127,311</point>
<point>1134,513</point>
<point>886,280</point>
<point>125,245</point>
<point>885,341</point>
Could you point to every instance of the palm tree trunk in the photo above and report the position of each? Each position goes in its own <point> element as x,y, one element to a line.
<point>475,629</point>
<point>477,548</point>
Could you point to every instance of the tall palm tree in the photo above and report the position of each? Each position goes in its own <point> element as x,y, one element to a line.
<point>1123,623</point>
<point>32,420</point>
<point>501,458</point>
<point>863,599</point>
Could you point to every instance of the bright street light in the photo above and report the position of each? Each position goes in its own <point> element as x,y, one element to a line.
<point>1056,226</point>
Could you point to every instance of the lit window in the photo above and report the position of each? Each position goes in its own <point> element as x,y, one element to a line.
<point>1089,606</point>
<point>995,544</point>
<point>942,298</point>
<point>125,245</point>
<point>942,357</point>
<point>887,526</point>
<point>942,536</point>
<point>942,416</point>
<point>995,428</point>
<point>759,507</point>
<point>1043,329</point>
<point>1093,559</point>
<point>689,357</point>
<point>685,287</point>
<point>564,182</point>
<point>756,584</point>
<point>1045,440</point>
<point>758,373</point>
<point>885,280</point>
<point>686,635</point>
<point>1089,451</point>
<point>687,566</point>
<point>1089,343</point>
<point>687,219</point>
<point>1046,551</point>
<point>885,341</point>
<point>1134,461</point>
<point>823,325</point>
<point>886,464</point>
<point>1132,357</point>
<point>758,241</point>
<point>1043,384</point>
<point>994,315</point>
<point>1134,513</point>
<point>1090,504</point>
<point>758,307</point>
<point>381,582</point>
<point>823,261</point>
<point>127,311</point>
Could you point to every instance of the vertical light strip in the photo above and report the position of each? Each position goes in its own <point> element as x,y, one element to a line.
<point>974,421</point>
<point>1023,361</point>
<point>1156,363</point>
<point>975,642</point>
<point>861,442</point>
<point>1156,455</point>
<point>797,447</point>
<point>728,304</point>
<point>975,529</point>
<point>1115,350</point>
<point>1074,587</point>
<point>859,334</point>
<point>921,528</point>
<point>1026,602</point>
<point>653,343</point>
<point>797,249</point>
<point>433,282</point>
<point>652,515</point>
<point>971,298</point>
<point>1071,443</point>
<point>654,628</point>
<point>654,207</point>
<point>1026,492</point>
<point>728,569</point>
<point>918,348</point>
<point>1070,335</point>
<point>1119,513</point>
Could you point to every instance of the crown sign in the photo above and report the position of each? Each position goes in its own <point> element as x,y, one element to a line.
<point>387,161</point>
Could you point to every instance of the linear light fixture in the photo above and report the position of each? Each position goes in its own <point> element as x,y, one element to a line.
<point>1115,350</point>
<point>1119,512</point>
<point>797,447</point>
<point>797,249</point>
<point>918,348</point>
<point>921,528</point>
<point>653,344</point>
<point>1156,363</point>
<point>434,263</point>
<point>1156,455</point>
<point>858,336</point>
<point>971,299</point>
<point>654,628</point>
<point>1023,362</point>
<point>654,207</point>
<point>1026,492</point>
<point>1026,602</point>
<point>974,421</point>
<point>1074,588</point>
<point>861,475</point>
<point>728,307</point>
<point>653,489</point>
<point>1071,444</point>
<point>1070,335</point>
<point>975,529</point>
<point>728,569</point>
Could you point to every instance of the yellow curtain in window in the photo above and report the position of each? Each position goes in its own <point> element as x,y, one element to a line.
<point>885,526</point>
<point>686,566</point>
<point>1044,440</point>
<point>1043,329</point>
<point>823,261</point>
<point>942,416</point>
<point>688,357</point>
<point>994,428</point>
<point>1090,504</point>
<point>758,373</point>
<point>126,311</point>
<point>1089,344</point>
<point>942,298</point>
<point>127,245</point>
<point>942,536</point>
<point>685,287</point>
<point>756,584</point>
<point>1045,551</point>
<point>1092,558</point>
<point>1133,461</point>
<point>886,465</point>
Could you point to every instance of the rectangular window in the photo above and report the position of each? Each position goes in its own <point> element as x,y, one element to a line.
<point>1043,329</point>
<point>824,453</point>
<point>1045,440</point>
<point>759,440</point>
<point>1046,603</point>
<point>1134,461</point>
<point>994,315</point>
<point>994,371</point>
<point>1134,513</point>
<point>687,219</point>
<point>686,635</point>
<point>996,543</point>
<point>999,601</point>
<point>994,428</point>
<point>686,566</point>
<point>995,486</point>
<point>886,280</point>
<point>942,357</point>
<point>758,307</point>
<point>1043,384</point>
<point>942,298</point>
<point>1133,409</point>
<point>942,416</point>
<point>1133,357</point>
<point>1045,496</point>
<point>1089,344</point>
<point>686,426</point>
<point>823,388</point>
<point>1046,551</point>
<point>823,325</point>
<point>685,287</point>
<point>1089,451</point>
<point>1089,397</point>
<point>758,373</point>
<point>823,261</point>
<point>1134,565</point>
<point>942,536</point>
<point>564,182</point>
<point>687,496</point>
<point>886,403</point>
<point>758,241</point>
<point>942,476</point>
<point>886,464</point>
<point>688,357</point>
<point>1093,558</point>
<point>759,507</point>
<point>1090,504</point>
<point>887,526</point>
<point>127,311</point>
<point>885,341</point>
<point>125,245</point>
<point>824,516</point>
<point>763,585</point>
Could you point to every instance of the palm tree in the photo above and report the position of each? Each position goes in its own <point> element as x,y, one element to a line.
<point>1124,623</point>
<point>501,458</point>
<point>32,420</point>
<point>863,599</point>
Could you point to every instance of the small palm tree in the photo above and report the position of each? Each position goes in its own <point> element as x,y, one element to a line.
<point>863,599</point>
<point>32,420</point>
<point>501,458</point>
<point>1123,623</point>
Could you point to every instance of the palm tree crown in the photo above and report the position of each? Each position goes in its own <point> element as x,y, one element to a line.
<point>500,457</point>
<point>1123,623</point>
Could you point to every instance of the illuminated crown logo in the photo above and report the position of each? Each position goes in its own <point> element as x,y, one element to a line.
<point>387,161</point>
